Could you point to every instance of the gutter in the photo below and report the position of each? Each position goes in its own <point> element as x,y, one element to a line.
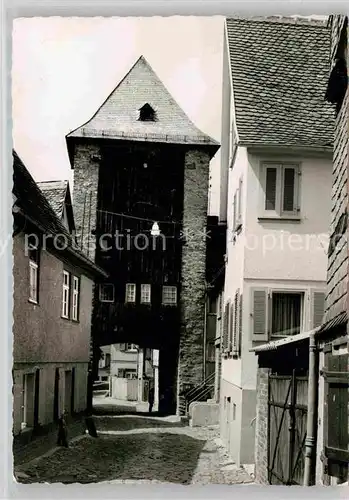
<point>286,148</point>
<point>274,345</point>
<point>312,414</point>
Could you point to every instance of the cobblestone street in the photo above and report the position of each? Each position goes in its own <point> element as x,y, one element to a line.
<point>132,449</point>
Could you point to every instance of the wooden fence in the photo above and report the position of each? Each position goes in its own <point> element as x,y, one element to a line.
<point>287,423</point>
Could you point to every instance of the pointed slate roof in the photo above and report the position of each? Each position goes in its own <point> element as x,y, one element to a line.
<point>118,115</point>
<point>55,192</point>
<point>279,72</point>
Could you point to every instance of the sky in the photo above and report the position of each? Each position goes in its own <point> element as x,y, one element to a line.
<point>64,68</point>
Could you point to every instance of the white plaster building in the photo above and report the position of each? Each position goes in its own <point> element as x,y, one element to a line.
<point>276,199</point>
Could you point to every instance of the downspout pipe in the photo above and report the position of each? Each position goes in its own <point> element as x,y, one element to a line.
<point>205,334</point>
<point>312,415</point>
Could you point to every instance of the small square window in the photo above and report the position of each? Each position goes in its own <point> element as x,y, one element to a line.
<point>281,190</point>
<point>130,296</point>
<point>169,295</point>
<point>145,294</point>
<point>106,292</point>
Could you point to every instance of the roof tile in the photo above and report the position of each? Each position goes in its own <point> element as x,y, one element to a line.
<point>279,72</point>
<point>118,115</point>
<point>55,192</point>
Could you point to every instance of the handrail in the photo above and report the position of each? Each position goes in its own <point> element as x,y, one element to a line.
<point>199,390</point>
<point>204,391</point>
<point>202,384</point>
<point>198,397</point>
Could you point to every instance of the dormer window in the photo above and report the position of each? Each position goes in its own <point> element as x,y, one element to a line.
<point>147,114</point>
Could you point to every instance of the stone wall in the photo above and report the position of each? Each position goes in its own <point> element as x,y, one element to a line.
<point>192,303</point>
<point>261,446</point>
<point>86,171</point>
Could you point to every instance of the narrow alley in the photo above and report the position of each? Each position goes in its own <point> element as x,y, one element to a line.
<point>138,449</point>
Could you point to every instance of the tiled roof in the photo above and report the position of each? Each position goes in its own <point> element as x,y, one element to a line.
<point>33,205</point>
<point>55,192</point>
<point>279,71</point>
<point>118,115</point>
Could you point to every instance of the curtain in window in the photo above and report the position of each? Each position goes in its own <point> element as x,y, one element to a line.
<point>286,314</point>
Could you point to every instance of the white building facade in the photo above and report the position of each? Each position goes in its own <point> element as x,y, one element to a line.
<point>276,199</point>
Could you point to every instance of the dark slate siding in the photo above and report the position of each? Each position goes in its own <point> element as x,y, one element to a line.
<point>337,278</point>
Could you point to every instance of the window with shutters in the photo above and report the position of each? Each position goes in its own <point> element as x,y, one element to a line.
<point>280,190</point>
<point>280,313</point>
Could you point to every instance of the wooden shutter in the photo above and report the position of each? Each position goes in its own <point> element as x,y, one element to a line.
<point>239,217</point>
<point>270,188</point>
<point>231,327</point>
<point>240,326</point>
<point>225,326</point>
<point>260,314</point>
<point>235,210</point>
<point>289,191</point>
<point>317,307</point>
<point>235,347</point>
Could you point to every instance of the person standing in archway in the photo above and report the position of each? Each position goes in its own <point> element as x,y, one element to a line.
<point>151,398</point>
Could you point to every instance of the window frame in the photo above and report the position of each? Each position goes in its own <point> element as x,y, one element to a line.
<point>278,212</point>
<point>103,300</point>
<point>303,294</point>
<point>143,285</point>
<point>75,309</point>
<point>127,289</point>
<point>167,303</point>
<point>34,266</point>
<point>133,347</point>
<point>66,288</point>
